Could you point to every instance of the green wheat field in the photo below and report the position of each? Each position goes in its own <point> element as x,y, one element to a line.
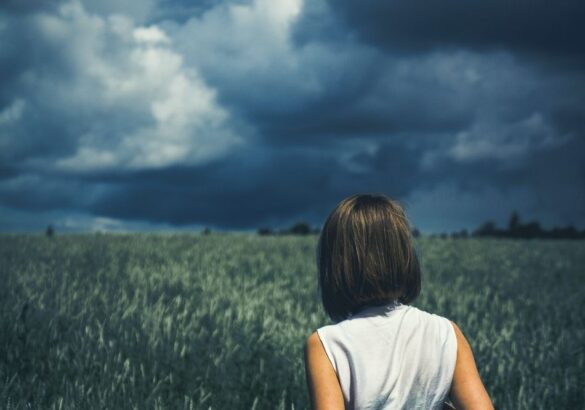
<point>191,321</point>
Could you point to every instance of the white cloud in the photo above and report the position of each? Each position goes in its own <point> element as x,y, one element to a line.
<point>248,49</point>
<point>151,35</point>
<point>9,118</point>
<point>142,106</point>
<point>252,34</point>
<point>89,223</point>
<point>505,141</point>
<point>13,112</point>
<point>491,138</point>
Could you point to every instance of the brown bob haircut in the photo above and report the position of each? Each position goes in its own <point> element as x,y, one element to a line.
<point>366,256</point>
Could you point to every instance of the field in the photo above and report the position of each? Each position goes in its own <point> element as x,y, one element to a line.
<point>145,321</point>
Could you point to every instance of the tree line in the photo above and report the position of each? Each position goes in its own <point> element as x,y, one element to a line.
<point>529,230</point>
<point>515,229</point>
<point>299,228</point>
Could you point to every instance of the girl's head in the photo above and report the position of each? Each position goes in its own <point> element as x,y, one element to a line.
<point>366,256</point>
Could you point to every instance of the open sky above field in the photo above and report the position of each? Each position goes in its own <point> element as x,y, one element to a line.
<point>168,114</point>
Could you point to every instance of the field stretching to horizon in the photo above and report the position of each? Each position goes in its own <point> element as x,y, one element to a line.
<point>187,321</point>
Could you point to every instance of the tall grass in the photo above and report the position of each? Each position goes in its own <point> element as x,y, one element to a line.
<point>145,321</point>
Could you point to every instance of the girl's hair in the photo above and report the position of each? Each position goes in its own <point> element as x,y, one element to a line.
<point>366,256</point>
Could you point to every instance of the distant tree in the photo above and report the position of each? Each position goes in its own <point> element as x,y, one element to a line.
<point>415,233</point>
<point>529,230</point>
<point>300,228</point>
<point>513,224</point>
<point>514,221</point>
<point>443,235</point>
<point>265,231</point>
<point>206,231</point>
<point>50,231</point>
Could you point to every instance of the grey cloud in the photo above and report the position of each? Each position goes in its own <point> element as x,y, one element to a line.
<point>324,114</point>
<point>26,6</point>
<point>324,89</point>
<point>32,192</point>
<point>418,25</point>
<point>248,191</point>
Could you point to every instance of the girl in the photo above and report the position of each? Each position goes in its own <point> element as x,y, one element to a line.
<point>382,353</point>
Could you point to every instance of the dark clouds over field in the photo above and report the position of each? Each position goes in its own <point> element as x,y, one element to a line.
<point>239,114</point>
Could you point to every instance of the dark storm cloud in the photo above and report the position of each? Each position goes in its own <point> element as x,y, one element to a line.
<point>7,172</point>
<point>416,26</point>
<point>25,6</point>
<point>43,125</point>
<point>117,116</point>
<point>368,112</point>
<point>557,177</point>
<point>244,193</point>
<point>40,193</point>
<point>250,190</point>
<point>247,190</point>
<point>367,91</point>
<point>16,54</point>
<point>543,170</point>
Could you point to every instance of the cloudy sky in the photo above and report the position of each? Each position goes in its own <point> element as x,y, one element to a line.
<point>174,114</point>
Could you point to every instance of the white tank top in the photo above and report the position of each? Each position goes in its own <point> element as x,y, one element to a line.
<point>392,357</point>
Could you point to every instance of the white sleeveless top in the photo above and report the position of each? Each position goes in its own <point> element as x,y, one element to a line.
<point>392,357</point>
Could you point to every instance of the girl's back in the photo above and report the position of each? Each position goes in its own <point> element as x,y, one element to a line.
<point>382,353</point>
<point>392,357</point>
